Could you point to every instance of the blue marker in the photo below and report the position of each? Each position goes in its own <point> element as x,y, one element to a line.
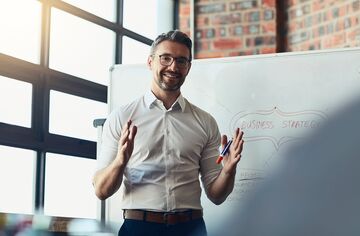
<point>224,151</point>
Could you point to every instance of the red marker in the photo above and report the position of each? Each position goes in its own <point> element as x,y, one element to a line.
<point>224,151</point>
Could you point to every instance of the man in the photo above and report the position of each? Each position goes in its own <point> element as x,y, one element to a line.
<point>156,147</point>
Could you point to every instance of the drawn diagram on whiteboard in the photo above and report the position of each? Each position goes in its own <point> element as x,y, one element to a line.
<point>277,126</point>
<point>266,133</point>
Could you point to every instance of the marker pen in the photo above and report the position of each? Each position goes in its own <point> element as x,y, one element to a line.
<point>224,151</point>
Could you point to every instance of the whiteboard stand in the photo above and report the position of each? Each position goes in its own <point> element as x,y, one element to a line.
<point>101,206</point>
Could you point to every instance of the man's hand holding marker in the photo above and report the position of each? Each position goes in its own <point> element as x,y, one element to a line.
<point>233,147</point>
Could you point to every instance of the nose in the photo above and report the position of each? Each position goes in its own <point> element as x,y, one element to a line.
<point>173,66</point>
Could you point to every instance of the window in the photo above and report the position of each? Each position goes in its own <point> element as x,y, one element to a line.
<point>15,102</point>
<point>55,58</point>
<point>134,51</point>
<point>147,23</point>
<point>105,9</point>
<point>68,186</point>
<point>16,180</point>
<point>73,116</point>
<point>20,23</point>
<point>85,50</point>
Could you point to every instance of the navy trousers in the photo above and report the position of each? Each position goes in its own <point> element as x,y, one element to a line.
<point>143,228</point>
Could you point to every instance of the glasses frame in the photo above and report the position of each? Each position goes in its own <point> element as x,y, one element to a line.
<point>178,63</point>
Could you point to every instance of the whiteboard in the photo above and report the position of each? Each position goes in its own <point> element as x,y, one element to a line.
<point>276,99</point>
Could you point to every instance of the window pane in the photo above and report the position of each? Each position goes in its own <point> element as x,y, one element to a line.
<point>146,24</point>
<point>15,102</point>
<point>81,48</point>
<point>16,180</point>
<point>20,24</point>
<point>68,186</point>
<point>73,116</point>
<point>134,51</point>
<point>105,9</point>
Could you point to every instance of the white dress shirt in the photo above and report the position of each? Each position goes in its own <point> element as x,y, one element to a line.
<point>171,148</point>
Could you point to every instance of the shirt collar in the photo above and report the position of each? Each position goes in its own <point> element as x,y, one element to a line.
<point>150,100</point>
<point>181,101</point>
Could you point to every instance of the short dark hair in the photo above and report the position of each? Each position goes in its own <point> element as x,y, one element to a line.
<point>175,36</point>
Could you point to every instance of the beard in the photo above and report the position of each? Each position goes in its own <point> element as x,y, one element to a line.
<point>169,81</point>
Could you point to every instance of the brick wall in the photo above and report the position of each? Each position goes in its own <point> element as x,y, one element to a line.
<point>323,24</point>
<point>184,16</point>
<point>245,27</point>
<point>231,27</point>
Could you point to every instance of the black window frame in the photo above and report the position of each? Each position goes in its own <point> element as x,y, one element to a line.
<point>44,79</point>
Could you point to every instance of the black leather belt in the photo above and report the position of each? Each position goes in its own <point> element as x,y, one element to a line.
<point>170,218</point>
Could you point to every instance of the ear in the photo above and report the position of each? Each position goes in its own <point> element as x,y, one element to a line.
<point>149,62</point>
<point>188,68</point>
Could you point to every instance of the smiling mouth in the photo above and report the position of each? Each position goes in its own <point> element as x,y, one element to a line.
<point>171,75</point>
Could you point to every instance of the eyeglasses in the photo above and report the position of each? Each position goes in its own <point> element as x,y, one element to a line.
<point>167,60</point>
